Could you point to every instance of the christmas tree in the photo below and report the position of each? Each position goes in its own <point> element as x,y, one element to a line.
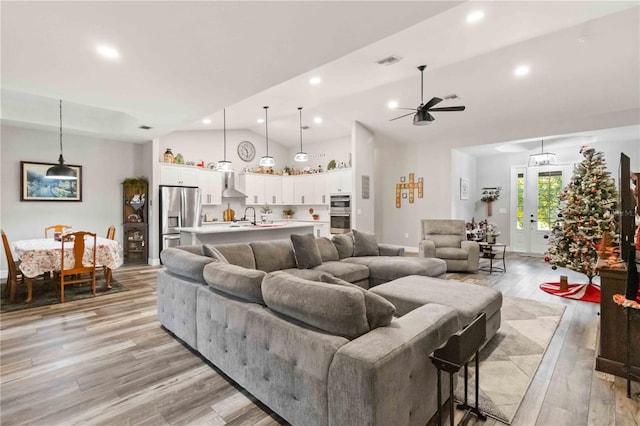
<point>586,215</point>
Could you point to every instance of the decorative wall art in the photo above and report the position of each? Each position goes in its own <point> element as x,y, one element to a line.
<point>36,187</point>
<point>464,188</point>
<point>489,195</point>
<point>411,187</point>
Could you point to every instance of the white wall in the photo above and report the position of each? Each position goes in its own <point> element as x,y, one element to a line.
<point>363,210</point>
<point>463,165</point>
<point>105,164</point>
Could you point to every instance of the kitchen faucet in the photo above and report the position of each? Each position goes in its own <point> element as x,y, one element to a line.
<point>254,214</point>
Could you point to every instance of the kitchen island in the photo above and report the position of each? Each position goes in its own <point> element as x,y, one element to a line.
<point>241,233</point>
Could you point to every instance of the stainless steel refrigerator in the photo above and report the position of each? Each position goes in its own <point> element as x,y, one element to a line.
<point>179,207</point>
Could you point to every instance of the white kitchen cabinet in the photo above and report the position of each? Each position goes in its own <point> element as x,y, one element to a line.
<point>273,190</point>
<point>320,195</point>
<point>252,184</point>
<point>339,181</point>
<point>171,174</point>
<point>303,189</point>
<point>321,229</point>
<point>210,183</point>
<point>288,195</point>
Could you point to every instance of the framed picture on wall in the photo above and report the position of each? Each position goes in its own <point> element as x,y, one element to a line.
<point>35,186</point>
<point>464,188</point>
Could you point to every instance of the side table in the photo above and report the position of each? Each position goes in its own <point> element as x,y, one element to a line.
<point>491,252</point>
<point>632,313</point>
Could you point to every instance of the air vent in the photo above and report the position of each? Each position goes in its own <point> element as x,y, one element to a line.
<point>452,96</point>
<point>389,60</point>
<point>305,127</point>
<point>144,127</point>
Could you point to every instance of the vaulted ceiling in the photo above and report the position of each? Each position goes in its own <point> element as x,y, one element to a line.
<point>181,62</point>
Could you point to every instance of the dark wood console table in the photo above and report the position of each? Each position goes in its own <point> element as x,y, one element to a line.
<point>612,350</point>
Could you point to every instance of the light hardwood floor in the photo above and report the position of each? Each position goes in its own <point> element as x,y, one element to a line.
<point>107,361</point>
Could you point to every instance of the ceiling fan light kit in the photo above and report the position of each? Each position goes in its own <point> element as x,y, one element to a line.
<point>266,160</point>
<point>60,171</point>
<point>301,156</point>
<point>422,117</point>
<point>224,165</point>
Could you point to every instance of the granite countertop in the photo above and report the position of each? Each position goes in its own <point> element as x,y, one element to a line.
<point>240,227</point>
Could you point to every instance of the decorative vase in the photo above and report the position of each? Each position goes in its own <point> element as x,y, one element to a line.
<point>168,156</point>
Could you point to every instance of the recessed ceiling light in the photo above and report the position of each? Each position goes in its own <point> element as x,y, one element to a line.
<point>475,16</point>
<point>521,70</point>
<point>206,121</point>
<point>108,52</point>
<point>317,120</point>
<point>315,81</point>
<point>392,104</point>
<point>260,120</point>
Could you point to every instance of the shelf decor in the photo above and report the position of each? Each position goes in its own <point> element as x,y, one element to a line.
<point>489,195</point>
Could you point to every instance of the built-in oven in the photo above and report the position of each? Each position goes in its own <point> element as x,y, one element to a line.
<point>340,213</point>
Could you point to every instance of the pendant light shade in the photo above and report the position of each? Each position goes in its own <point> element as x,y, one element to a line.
<point>224,165</point>
<point>60,171</point>
<point>543,158</point>
<point>301,156</point>
<point>267,160</point>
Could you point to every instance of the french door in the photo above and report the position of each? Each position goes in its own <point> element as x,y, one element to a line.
<point>535,196</point>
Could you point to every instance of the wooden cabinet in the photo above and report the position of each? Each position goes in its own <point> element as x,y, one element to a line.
<point>210,183</point>
<point>135,224</point>
<point>273,190</point>
<point>339,181</point>
<point>171,174</point>
<point>612,347</point>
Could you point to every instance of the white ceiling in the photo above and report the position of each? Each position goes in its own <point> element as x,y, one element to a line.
<point>183,61</point>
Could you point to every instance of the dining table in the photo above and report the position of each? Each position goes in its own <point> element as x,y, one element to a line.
<point>43,255</point>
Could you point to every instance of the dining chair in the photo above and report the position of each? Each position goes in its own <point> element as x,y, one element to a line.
<point>111,235</point>
<point>14,272</point>
<point>55,228</point>
<point>72,272</point>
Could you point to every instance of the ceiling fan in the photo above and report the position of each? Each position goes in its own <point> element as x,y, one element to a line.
<point>422,117</point>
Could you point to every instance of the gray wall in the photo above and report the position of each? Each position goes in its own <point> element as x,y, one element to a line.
<point>105,164</point>
<point>363,165</point>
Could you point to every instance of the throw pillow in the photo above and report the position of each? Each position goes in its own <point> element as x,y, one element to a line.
<point>365,244</point>
<point>210,251</point>
<point>335,309</point>
<point>344,244</point>
<point>328,250</point>
<point>306,251</point>
<point>379,310</point>
<point>235,280</point>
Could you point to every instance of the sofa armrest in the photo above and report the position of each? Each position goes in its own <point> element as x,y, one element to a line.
<point>427,248</point>
<point>473,260</point>
<point>389,371</point>
<point>185,263</point>
<point>389,250</point>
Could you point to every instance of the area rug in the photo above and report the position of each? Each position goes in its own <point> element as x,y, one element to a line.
<point>510,360</point>
<point>583,292</point>
<point>47,293</point>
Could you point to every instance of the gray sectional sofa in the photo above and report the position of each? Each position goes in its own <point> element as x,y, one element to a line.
<point>307,338</point>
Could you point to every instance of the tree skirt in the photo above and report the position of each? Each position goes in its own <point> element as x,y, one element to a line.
<point>584,292</point>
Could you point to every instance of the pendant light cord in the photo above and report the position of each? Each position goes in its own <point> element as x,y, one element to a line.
<point>60,127</point>
<point>300,109</point>
<point>224,131</point>
<point>266,128</point>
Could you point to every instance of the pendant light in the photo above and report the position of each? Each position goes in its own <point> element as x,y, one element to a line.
<point>267,160</point>
<point>543,158</point>
<point>301,156</point>
<point>224,165</point>
<point>60,171</point>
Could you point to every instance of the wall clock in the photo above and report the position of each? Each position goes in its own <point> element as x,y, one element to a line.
<point>246,151</point>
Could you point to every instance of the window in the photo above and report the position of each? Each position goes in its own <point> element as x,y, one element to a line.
<point>549,191</point>
<point>520,202</point>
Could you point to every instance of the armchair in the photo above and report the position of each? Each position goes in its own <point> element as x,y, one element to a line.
<point>446,239</point>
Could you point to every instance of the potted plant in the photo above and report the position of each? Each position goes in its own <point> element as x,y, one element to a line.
<point>288,213</point>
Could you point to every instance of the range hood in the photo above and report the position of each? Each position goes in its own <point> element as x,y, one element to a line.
<point>229,190</point>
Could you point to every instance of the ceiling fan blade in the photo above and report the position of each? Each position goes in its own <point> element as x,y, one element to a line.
<point>409,109</point>
<point>411,113</point>
<point>455,108</point>
<point>432,102</point>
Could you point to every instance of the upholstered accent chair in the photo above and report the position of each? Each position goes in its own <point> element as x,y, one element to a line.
<point>446,239</point>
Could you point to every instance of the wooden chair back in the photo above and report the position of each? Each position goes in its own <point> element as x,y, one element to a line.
<point>72,273</point>
<point>111,233</point>
<point>55,228</point>
<point>12,276</point>
<point>108,275</point>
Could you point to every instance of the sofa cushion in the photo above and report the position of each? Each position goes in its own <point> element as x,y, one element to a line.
<point>452,253</point>
<point>212,252</point>
<point>306,250</point>
<point>445,240</point>
<point>235,280</point>
<point>307,274</point>
<point>364,244</point>
<point>273,255</point>
<point>184,263</point>
<point>336,309</point>
<point>350,272</point>
<point>238,254</point>
<point>328,250</point>
<point>379,310</point>
<point>344,244</point>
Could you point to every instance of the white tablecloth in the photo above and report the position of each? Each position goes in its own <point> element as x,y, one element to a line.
<point>43,255</point>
